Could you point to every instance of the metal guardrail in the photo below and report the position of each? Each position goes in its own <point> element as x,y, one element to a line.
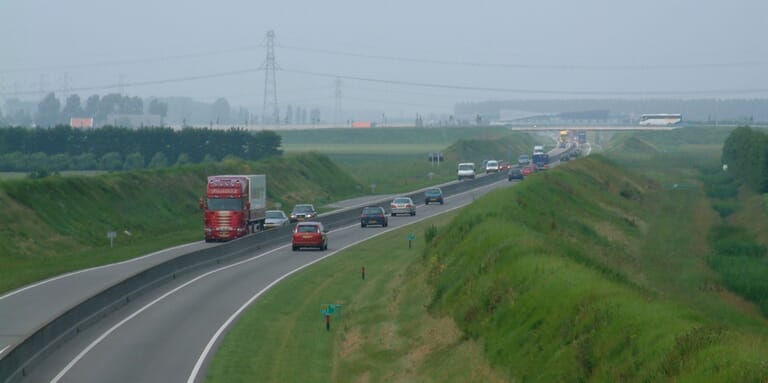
<point>24,355</point>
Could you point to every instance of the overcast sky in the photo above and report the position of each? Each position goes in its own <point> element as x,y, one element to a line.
<point>521,49</point>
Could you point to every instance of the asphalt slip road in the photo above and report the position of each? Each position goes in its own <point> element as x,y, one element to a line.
<point>170,333</point>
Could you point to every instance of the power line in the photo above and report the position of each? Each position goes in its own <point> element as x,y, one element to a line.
<point>140,83</point>
<point>410,84</point>
<point>132,61</point>
<point>529,66</point>
<point>532,91</point>
<point>431,61</point>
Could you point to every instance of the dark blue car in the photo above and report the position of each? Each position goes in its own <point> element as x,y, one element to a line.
<point>373,215</point>
<point>433,195</point>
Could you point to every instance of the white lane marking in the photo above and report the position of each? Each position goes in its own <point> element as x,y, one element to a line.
<point>112,329</point>
<point>3,350</point>
<point>25,288</point>
<point>28,287</point>
<point>228,322</point>
<point>148,305</point>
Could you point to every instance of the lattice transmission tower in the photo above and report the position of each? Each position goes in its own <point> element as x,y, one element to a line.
<point>271,112</point>
<point>337,107</point>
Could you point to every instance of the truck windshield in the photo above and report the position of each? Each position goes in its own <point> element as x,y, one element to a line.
<point>219,204</point>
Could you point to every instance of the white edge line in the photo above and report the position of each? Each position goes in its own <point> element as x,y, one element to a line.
<point>3,350</point>
<point>71,274</point>
<point>198,364</point>
<point>148,305</point>
<point>43,282</point>
<point>228,322</point>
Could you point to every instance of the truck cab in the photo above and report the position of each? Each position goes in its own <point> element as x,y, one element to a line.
<point>234,205</point>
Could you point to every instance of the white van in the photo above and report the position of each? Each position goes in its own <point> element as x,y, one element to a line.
<point>492,166</point>
<point>466,170</point>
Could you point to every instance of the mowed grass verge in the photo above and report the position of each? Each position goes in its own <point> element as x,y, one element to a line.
<point>384,334</point>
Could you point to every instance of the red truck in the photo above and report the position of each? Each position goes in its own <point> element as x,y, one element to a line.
<point>234,205</point>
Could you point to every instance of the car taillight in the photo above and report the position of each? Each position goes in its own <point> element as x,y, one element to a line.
<point>408,205</point>
<point>393,206</point>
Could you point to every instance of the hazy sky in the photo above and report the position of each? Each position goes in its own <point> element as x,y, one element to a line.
<point>523,49</point>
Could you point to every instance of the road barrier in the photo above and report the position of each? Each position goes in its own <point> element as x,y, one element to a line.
<point>16,362</point>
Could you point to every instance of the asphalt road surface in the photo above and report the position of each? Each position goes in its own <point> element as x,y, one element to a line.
<point>25,309</point>
<point>170,333</point>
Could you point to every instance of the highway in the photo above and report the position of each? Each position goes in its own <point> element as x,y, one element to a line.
<point>24,309</point>
<point>162,335</point>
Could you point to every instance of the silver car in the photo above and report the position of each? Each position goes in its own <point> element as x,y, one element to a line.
<point>276,218</point>
<point>303,212</point>
<point>402,205</point>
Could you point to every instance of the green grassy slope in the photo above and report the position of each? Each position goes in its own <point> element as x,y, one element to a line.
<point>598,270</point>
<point>382,335</point>
<point>56,224</point>
<point>391,160</point>
<point>389,136</point>
<point>506,147</point>
<point>593,273</point>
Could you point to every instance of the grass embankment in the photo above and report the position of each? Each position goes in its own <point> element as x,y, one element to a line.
<point>395,159</point>
<point>586,273</point>
<point>57,224</point>
<point>383,335</point>
<point>593,273</point>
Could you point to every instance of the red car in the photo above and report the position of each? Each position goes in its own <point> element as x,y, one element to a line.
<point>528,170</point>
<point>504,165</point>
<point>310,234</point>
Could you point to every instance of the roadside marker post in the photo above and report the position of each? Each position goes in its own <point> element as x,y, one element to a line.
<point>411,237</point>
<point>112,235</point>
<point>327,310</point>
<point>363,272</point>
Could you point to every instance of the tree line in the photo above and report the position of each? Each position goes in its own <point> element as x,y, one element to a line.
<point>114,148</point>
<point>50,112</point>
<point>746,153</point>
<point>113,109</point>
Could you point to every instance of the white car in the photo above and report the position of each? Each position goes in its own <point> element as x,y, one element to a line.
<point>492,166</point>
<point>276,218</point>
<point>402,205</point>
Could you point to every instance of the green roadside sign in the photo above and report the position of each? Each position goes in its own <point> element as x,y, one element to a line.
<point>328,309</point>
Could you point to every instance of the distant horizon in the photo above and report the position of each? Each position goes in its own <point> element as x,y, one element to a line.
<point>397,60</point>
<point>184,110</point>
